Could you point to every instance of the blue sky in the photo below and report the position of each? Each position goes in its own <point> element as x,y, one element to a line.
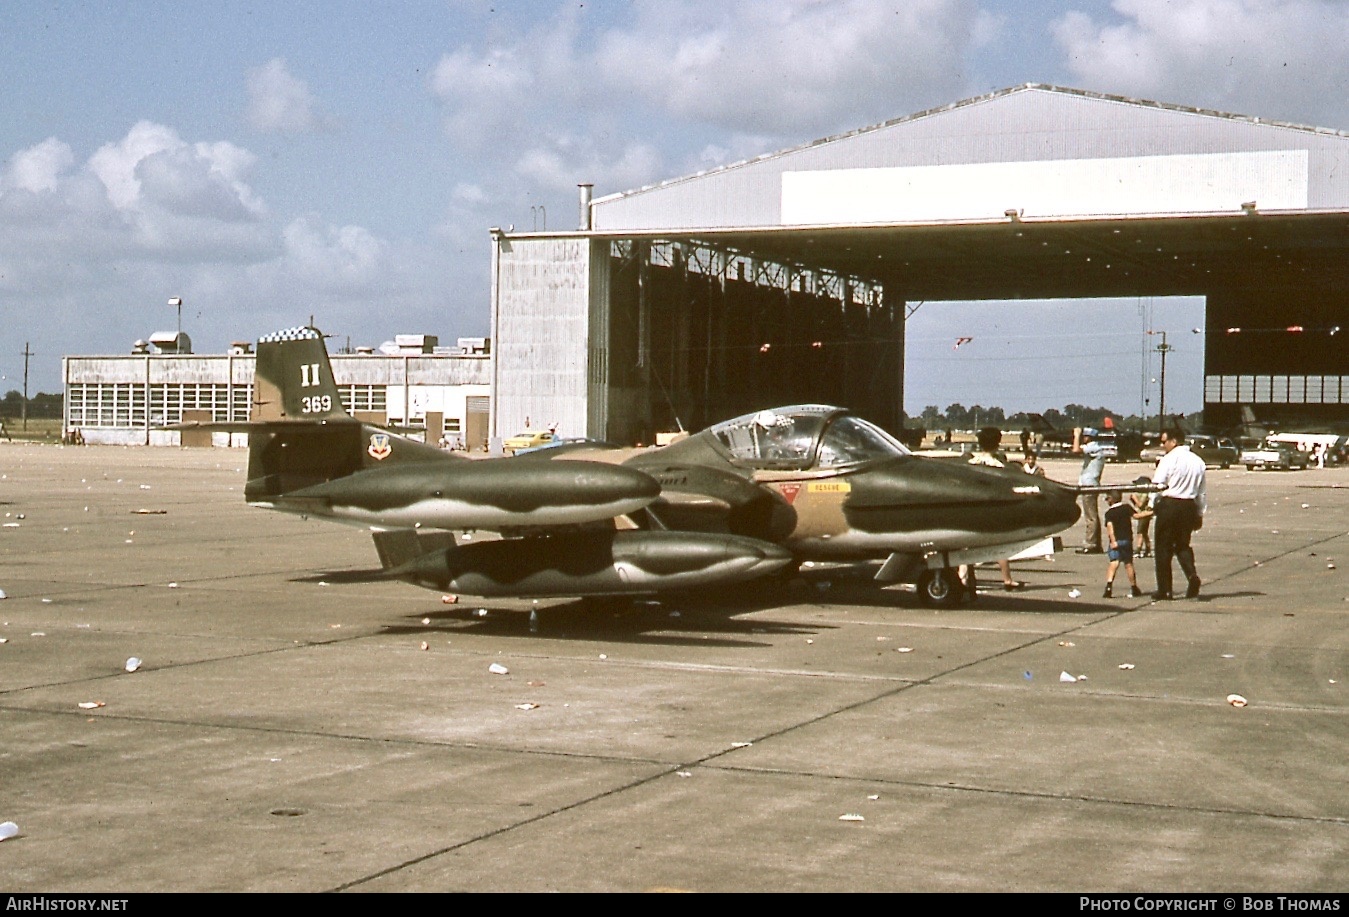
<point>272,161</point>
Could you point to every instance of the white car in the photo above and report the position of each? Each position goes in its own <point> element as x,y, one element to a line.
<point>1274,455</point>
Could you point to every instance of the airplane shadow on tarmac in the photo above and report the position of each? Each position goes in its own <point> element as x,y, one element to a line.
<point>687,618</point>
<point>716,611</point>
<point>637,623</point>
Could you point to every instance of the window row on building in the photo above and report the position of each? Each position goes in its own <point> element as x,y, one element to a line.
<point>124,404</point>
<point>129,399</point>
<point>1276,389</point>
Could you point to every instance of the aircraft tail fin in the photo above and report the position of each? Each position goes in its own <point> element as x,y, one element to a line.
<point>294,378</point>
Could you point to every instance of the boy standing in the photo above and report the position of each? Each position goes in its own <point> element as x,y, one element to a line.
<point>1119,526</point>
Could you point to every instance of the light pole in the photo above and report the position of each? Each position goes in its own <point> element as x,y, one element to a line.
<point>1163,348</point>
<point>178,301</point>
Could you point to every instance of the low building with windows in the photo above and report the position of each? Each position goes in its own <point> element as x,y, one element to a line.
<point>127,400</point>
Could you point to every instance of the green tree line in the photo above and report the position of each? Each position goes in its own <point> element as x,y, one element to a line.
<point>41,405</point>
<point>958,417</point>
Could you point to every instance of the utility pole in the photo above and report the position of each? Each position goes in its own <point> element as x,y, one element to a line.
<point>27,352</point>
<point>1163,348</point>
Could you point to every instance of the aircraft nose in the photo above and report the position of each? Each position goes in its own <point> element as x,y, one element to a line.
<point>1061,504</point>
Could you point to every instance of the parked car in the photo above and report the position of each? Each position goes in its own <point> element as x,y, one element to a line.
<point>1274,455</point>
<point>1121,446</point>
<point>528,439</point>
<point>1213,450</point>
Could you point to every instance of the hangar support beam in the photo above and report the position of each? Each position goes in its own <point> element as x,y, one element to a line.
<point>698,333</point>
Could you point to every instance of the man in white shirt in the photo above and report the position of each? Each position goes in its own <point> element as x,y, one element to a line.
<point>1093,463</point>
<point>1179,511</point>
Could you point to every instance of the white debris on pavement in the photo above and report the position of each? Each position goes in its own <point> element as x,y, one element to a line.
<point>1236,700</point>
<point>8,829</point>
<point>1067,678</point>
<point>1126,665</point>
<point>526,706</point>
<point>851,816</point>
<point>91,704</point>
<point>133,664</point>
<point>1076,593</point>
<point>497,668</point>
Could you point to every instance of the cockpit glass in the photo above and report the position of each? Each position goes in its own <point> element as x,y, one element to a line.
<point>849,440</point>
<point>804,437</point>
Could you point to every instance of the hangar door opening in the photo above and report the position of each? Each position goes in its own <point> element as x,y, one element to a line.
<point>1075,358</point>
<point>695,334</point>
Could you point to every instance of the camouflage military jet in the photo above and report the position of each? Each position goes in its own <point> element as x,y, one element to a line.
<point>743,499</point>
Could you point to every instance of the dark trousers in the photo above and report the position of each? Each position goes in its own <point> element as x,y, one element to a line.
<point>1175,523</point>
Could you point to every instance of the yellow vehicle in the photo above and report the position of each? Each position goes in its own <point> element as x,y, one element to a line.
<point>528,439</point>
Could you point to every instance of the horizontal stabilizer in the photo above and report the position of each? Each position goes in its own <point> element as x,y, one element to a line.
<point>402,546</point>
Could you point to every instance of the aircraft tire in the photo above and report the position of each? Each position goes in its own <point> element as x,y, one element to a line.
<point>940,588</point>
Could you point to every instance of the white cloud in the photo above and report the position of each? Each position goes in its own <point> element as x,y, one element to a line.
<point>1284,59</point>
<point>619,105</point>
<point>38,168</point>
<point>556,168</point>
<point>467,193</point>
<point>790,67</point>
<point>278,102</point>
<point>329,257</point>
<point>115,163</point>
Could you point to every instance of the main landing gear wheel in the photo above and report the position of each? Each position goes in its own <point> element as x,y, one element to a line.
<point>940,588</point>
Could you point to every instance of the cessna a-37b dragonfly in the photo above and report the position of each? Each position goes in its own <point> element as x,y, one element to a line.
<point>743,499</point>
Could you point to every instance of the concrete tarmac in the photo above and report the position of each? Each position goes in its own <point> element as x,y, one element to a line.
<point>297,724</point>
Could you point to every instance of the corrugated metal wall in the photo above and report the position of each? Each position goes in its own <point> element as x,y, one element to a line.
<point>540,328</point>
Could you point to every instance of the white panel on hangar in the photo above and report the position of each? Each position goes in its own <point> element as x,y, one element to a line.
<point>1136,185</point>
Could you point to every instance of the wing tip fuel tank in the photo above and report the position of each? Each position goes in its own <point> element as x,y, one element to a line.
<point>484,494</point>
<point>610,563</point>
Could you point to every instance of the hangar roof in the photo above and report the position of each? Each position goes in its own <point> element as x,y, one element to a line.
<point>1033,191</point>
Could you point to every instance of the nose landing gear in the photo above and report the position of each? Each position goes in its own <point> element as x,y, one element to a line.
<point>943,588</point>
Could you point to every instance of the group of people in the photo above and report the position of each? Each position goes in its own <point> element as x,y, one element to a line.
<point>1176,504</point>
<point>1177,507</point>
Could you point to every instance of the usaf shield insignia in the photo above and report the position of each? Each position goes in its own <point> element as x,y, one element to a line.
<point>380,448</point>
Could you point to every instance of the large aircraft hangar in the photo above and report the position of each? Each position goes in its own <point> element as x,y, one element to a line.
<point>787,278</point>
